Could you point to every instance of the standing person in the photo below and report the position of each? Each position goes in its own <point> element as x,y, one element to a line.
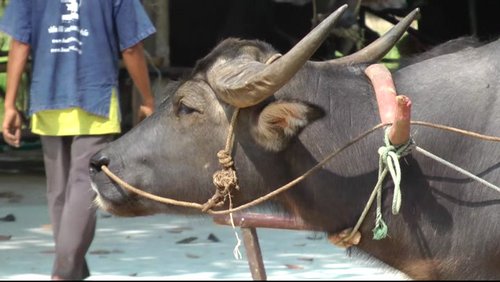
<point>75,47</point>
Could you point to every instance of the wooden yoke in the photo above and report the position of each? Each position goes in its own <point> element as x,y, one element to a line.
<point>392,108</point>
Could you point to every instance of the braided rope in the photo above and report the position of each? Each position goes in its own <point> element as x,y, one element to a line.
<point>225,179</point>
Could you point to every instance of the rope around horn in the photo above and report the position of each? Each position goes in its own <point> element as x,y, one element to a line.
<point>226,180</point>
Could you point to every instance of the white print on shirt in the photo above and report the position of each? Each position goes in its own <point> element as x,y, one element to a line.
<point>72,6</point>
<point>71,43</point>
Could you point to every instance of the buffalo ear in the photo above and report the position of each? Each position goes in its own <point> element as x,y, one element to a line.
<point>280,121</point>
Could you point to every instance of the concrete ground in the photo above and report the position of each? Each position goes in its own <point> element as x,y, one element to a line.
<point>161,247</point>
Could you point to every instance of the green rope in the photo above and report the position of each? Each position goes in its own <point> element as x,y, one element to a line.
<point>389,156</point>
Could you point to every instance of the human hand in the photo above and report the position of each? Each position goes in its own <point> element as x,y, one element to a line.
<point>11,129</point>
<point>145,111</point>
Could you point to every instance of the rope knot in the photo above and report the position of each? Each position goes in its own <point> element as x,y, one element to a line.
<point>225,159</point>
<point>225,180</point>
<point>388,154</point>
<point>389,162</point>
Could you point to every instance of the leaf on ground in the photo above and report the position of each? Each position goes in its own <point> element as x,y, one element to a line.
<point>178,229</point>
<point>193,256</point>
<point>100,252</point>
<point>213,238</point>
<point>8,218</point>
<point>186,240</point>
<point>5,237</point>
<point>105,252</point>
<point>315,236</point>
<point>294,266</point>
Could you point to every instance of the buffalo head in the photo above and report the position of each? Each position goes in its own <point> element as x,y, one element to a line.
<point>173,152</point>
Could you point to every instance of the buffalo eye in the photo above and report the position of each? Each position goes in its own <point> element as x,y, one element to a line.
<point>183,109</point>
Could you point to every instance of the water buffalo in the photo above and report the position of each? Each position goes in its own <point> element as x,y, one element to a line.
<point>292,113</point>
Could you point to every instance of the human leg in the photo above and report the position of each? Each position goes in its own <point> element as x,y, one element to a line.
<point>78,219</point>
<point>56,156</point>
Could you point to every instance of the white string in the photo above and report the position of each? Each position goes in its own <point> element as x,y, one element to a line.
<point>236,251</point>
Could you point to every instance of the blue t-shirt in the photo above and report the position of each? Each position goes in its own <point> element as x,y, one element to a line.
<point>75,48</point>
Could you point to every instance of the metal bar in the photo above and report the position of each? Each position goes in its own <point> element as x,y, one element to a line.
<point>263,221</point>
<point>248,222</point>
<point>254,254</point>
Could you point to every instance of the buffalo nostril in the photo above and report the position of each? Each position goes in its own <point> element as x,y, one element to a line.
<point>97,161</point>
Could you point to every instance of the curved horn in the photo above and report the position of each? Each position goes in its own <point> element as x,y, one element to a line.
<point>378,48</point>
<point>255,82</point>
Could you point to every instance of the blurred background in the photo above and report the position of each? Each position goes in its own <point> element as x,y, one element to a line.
<point>189,29</point>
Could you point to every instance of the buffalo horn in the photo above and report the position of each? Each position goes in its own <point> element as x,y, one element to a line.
<point>378,48</point>
<point>256,81</point>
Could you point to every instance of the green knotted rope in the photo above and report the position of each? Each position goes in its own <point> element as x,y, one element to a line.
<point>389,156</point>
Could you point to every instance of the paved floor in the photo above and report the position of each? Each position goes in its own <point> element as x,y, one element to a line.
<point>162,247</point>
